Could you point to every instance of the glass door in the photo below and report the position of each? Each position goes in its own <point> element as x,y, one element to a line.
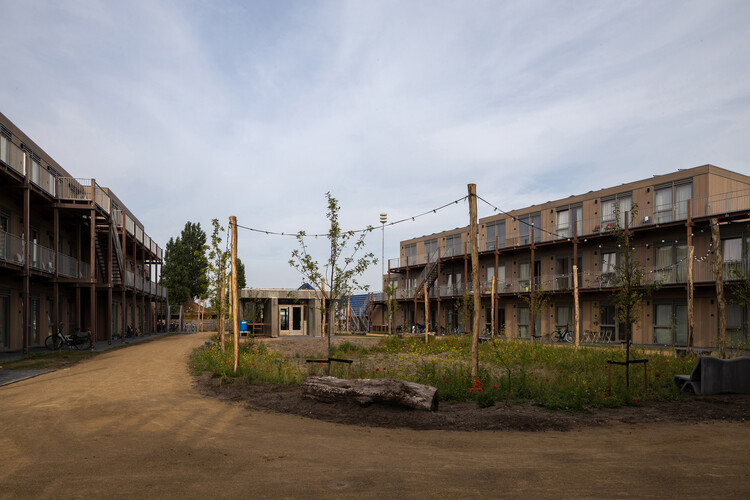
<point>284,320</point>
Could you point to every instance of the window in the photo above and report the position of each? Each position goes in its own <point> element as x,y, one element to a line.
<point>525,222</point>
<point>609,261</point>
<point>609,326</point>
<point>671,263</point>
<point>670,323</point>
<point>524,275</point>
<point>612,206</point>
<point>430,250</point>
<point>670,201</point>
<point>495,234</point>
<point>524,322</point>
<point>453,245</point>
<point>565,219</point>
<point>499,317</point>
<point>564,316</point>
<point>733,254</point>
<point>499,280</point>
<point>410,253</point>
<point>737,325</point>
<point>4,319</point>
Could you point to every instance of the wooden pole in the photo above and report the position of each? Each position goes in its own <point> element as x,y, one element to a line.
<point>475,279</point>
<point>576,304</point>
<point>719,273</point>
<point>492,306</point>
<point>348,313</point>
<point>235,304</point>
<point>222,304</point>
<point>323,324</point>
<point>426,314</point>
<point>532,287</point>
<point>690,283</point>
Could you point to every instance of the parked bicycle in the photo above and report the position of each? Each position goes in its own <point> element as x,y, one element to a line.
<point>563,335</point>
<point>78,340</point>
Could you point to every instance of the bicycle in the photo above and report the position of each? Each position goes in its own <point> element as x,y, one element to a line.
<point>563,335</point>
<point>80,341</point>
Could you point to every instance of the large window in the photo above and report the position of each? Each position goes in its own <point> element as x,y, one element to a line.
<point>737,325</point>
<point>670,323</point>
<point>500,280</point>
<point>614,209</point>
<point>564,316</point>
<point>4,319</point>
<point>611,329</point>
<point>525,222</point>
<point>410,253</point>
<point>495,234</point>
<point>609,261</point>
<point>430,250</point>
<point>670,201</point>
<point>453,245</point>
<point>734,254</point>
<point>565,219</point>
<point>524,322</point>
<point>671,263</point>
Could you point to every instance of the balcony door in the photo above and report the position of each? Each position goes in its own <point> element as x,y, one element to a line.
<point>290,320</point>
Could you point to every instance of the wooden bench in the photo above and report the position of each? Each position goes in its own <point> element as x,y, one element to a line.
<point>717,376</point>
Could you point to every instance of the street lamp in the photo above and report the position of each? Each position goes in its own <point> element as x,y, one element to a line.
<point>383,220</point>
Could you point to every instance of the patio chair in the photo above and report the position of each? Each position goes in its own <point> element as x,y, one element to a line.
<point>717,376</point>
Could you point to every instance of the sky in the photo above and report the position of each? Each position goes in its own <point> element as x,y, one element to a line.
<point>191,110</point>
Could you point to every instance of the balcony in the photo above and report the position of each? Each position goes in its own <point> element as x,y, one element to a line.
<point>11,248</point>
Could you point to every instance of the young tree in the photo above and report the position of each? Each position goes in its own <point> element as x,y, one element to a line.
<point>343,271</point>
<point>216,276</point>
<point>185,264</point>
<point>241,281</point>
<point>391,304</point>
<point>630,287</point>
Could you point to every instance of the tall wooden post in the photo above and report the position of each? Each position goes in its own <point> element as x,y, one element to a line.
<point>492,310</point>
<point>719,274</point>
<point>426,314</point>
<point>92,277</point>
<point>576,304</point>
<point>235,302</point>
<point>495,286</point>
<point>532,287</point>
<point>690,284</point>
<point>474,279</point>
<point>323,323</point>
<point>26,321</point>
<point>222,304</point>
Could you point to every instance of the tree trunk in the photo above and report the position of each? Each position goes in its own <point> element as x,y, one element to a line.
<point>235,299</point>
<point>474,280</point>
<point>719,271</point>
<point>368,391</point>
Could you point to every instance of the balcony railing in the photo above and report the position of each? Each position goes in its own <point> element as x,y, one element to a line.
<point>129,225</point>
<point>67,266</point>
<point>41,258</point>
<point>13,157</point>
<point>11,248</point>
<point>129,278</point>
<point>42,178</point>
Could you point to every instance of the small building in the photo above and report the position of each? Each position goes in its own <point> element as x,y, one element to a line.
<point>275,312</point>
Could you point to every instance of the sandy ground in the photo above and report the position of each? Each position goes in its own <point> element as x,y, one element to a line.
<point>129,424</point>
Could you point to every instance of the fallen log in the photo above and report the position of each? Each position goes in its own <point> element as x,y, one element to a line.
<point>368,391</point>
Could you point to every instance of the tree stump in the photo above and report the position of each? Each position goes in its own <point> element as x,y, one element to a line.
<point>368,391</point>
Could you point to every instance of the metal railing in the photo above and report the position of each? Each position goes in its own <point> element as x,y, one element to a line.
<point>71,188</point>
<point>102,199</point>
<point>129,225</point>
<point>41,258</point>
<point>42,178</point>
<point>11,248</point>
<point>67,266</point>
<point>14,157</point>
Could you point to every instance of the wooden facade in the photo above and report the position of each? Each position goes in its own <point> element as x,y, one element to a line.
<point>71,252</point>
<point>534,249</point>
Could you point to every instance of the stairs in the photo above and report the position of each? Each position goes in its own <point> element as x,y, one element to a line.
<point>108,228</point>
<point>428,276</point>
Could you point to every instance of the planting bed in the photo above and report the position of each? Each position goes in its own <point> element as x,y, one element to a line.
<point>464,416</point>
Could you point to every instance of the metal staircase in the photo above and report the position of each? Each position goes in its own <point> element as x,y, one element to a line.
<point>117,256</point>
<point>428,276</point>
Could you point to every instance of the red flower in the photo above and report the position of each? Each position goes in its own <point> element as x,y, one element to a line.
<point>479,388</point>
<point>635,400</point>
<point>377,370</point>
<point>494,386</point>
<point>445,381</point>
<point>472,389</point>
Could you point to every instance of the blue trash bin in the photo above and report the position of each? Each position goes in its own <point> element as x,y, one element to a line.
<point>243,326</point>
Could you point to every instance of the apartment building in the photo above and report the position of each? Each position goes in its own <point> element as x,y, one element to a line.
<point>71,252</point>
<point>534,249</point>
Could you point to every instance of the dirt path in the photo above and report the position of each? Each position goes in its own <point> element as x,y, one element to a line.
<point>128,424</point>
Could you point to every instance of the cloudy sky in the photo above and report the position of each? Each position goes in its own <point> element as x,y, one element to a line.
<point>192,110</point>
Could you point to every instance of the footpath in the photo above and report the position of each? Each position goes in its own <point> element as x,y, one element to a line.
<point>9,376</point>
